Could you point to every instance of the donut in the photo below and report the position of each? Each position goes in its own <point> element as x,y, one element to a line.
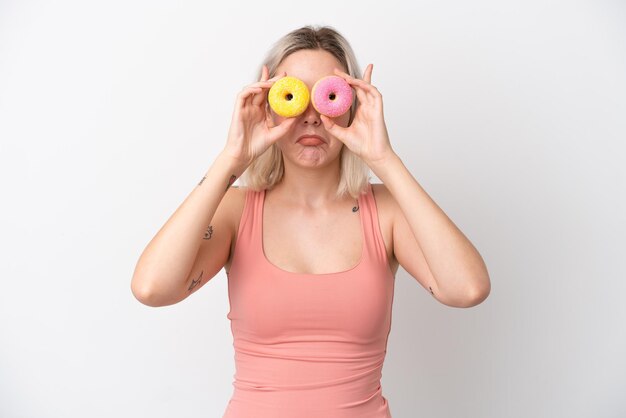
<point>289,96</point>
<point>331,96</point>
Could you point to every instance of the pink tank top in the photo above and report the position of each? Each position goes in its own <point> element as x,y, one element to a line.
<point>308,345</point>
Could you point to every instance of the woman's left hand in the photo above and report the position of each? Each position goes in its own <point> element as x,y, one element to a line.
<point>367,136</point>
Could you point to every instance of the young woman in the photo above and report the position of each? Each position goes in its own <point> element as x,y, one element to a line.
<point>309,245</point>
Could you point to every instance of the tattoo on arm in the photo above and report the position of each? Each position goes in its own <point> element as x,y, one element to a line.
<point>431,290</point>
<point>231,181</point>
<point>208,233</point>
<point>195,282</point>
<point>202,180</point>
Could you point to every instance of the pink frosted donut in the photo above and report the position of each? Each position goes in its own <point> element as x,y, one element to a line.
<point>331,96</point>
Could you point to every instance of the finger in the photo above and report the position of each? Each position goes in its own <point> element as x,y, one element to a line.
<point>332,128</point>
<point>278,131</point>
<point>245,94</point>
<point>250,99</point>
<point>372,92</point>
<point>368,73</point>
<point>367,77</point>
<point>348,77</point>
<point>365,91</point>
<point>259,99</point>
<point>237,108</point>
<point>264,83</point>
<point>279,75</point>
<point>356,84</point>
<point>361,95</point>
<point>356,81</point>
<point>264,73</point>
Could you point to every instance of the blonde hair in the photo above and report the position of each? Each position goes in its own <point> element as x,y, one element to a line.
<point>268,169</point>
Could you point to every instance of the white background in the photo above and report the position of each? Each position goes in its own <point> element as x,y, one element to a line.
<point>512,116</point>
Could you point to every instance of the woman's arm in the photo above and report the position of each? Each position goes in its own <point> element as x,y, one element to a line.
<point>457,268</point>
<point>460,275</point>
<point>162,272</point>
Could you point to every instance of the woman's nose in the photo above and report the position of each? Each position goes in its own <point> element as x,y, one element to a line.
<point>311,116</point>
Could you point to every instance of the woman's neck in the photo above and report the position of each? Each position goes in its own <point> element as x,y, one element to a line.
<point>309,187</point>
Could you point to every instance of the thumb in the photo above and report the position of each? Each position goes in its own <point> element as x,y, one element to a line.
<point>282,128</point>
<point>332,127</point>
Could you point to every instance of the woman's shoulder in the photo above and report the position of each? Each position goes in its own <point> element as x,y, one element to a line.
<point>380,192</point>
<point>236,195</point>
<point>386,204</point>
<point>239,193</point>
<point>387,210</point>
<point>234,201</point>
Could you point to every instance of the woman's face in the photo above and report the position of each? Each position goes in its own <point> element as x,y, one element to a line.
<point>309,66</point>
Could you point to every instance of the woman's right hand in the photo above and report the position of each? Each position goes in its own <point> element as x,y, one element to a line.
<point>252,130</point>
